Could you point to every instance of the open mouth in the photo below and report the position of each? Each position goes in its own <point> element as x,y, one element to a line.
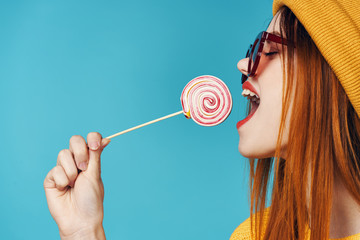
<point>250,93</point>
<point>253,98</point>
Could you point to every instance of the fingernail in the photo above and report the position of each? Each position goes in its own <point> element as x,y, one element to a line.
<point>94,145</point>
<point>83,166</point>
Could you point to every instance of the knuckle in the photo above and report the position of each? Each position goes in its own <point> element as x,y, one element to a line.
<point>81,152</point>
<point>76,139</point>
<point>61,183</point>
<point>46,180</point>
<point>94,135</point>
<point>63,154</point>
<point>68,166</point>
<point>57,170</point>
<point>72,174</point>
<point>60,176</point>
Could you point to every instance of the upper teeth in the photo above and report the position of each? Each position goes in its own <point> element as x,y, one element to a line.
<point>251,95</point>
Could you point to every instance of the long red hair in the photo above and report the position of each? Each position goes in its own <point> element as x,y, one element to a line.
<point>323,145</point>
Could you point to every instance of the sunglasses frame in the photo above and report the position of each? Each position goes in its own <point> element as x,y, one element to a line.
<point>261,38</point>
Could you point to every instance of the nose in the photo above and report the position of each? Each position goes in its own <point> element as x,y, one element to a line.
<point>242,65</point>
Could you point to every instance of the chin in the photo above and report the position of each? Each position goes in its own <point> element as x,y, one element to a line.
<point>254,151</point>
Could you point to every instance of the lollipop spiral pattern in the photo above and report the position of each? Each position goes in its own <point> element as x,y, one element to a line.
<point>207,100</point>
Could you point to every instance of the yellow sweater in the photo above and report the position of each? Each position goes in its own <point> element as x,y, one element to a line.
<point>242,232</point>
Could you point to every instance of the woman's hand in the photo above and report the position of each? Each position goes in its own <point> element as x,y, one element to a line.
<point>75,198</point>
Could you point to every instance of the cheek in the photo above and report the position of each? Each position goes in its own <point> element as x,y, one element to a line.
<point>259,136</point>
<point>272,107</point>
<point>271,90</point>
<point>272,78</point>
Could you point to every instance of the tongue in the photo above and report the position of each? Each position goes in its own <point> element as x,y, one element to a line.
<point>254,106</point>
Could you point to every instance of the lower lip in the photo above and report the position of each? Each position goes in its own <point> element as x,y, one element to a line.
<point>242,122</point>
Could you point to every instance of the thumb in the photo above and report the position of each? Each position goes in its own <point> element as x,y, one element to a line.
<point>94,167</point>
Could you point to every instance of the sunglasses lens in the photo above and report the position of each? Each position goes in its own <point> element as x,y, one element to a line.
<point>253,55</point>
<point>243,78</point>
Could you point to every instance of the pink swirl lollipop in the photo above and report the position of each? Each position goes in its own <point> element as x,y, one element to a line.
<point>207,100</point>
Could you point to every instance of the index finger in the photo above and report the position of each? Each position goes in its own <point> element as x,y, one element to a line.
<point>78,147</point>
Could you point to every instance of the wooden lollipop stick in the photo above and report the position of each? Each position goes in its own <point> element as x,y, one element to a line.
<point>145,124</point>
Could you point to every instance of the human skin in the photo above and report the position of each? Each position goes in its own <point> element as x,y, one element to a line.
<point>262,129</point>
<point>258,136</point>
<point>75,200</point>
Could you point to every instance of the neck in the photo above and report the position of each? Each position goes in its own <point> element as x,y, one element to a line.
<point>345,212</point>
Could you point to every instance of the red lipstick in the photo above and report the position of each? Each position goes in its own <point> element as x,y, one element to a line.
<point>242,122</point>
<point>249,86</point>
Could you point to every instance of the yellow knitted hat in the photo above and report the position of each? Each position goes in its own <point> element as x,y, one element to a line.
<point>334,26</point>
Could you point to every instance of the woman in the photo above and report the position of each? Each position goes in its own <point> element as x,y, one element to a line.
<point>304,122</point>
<point>307,121</point>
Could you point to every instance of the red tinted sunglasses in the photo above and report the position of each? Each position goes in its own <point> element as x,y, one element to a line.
<point>255,50</point>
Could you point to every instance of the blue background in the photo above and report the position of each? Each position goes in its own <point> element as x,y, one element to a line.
<point>73,67</point>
